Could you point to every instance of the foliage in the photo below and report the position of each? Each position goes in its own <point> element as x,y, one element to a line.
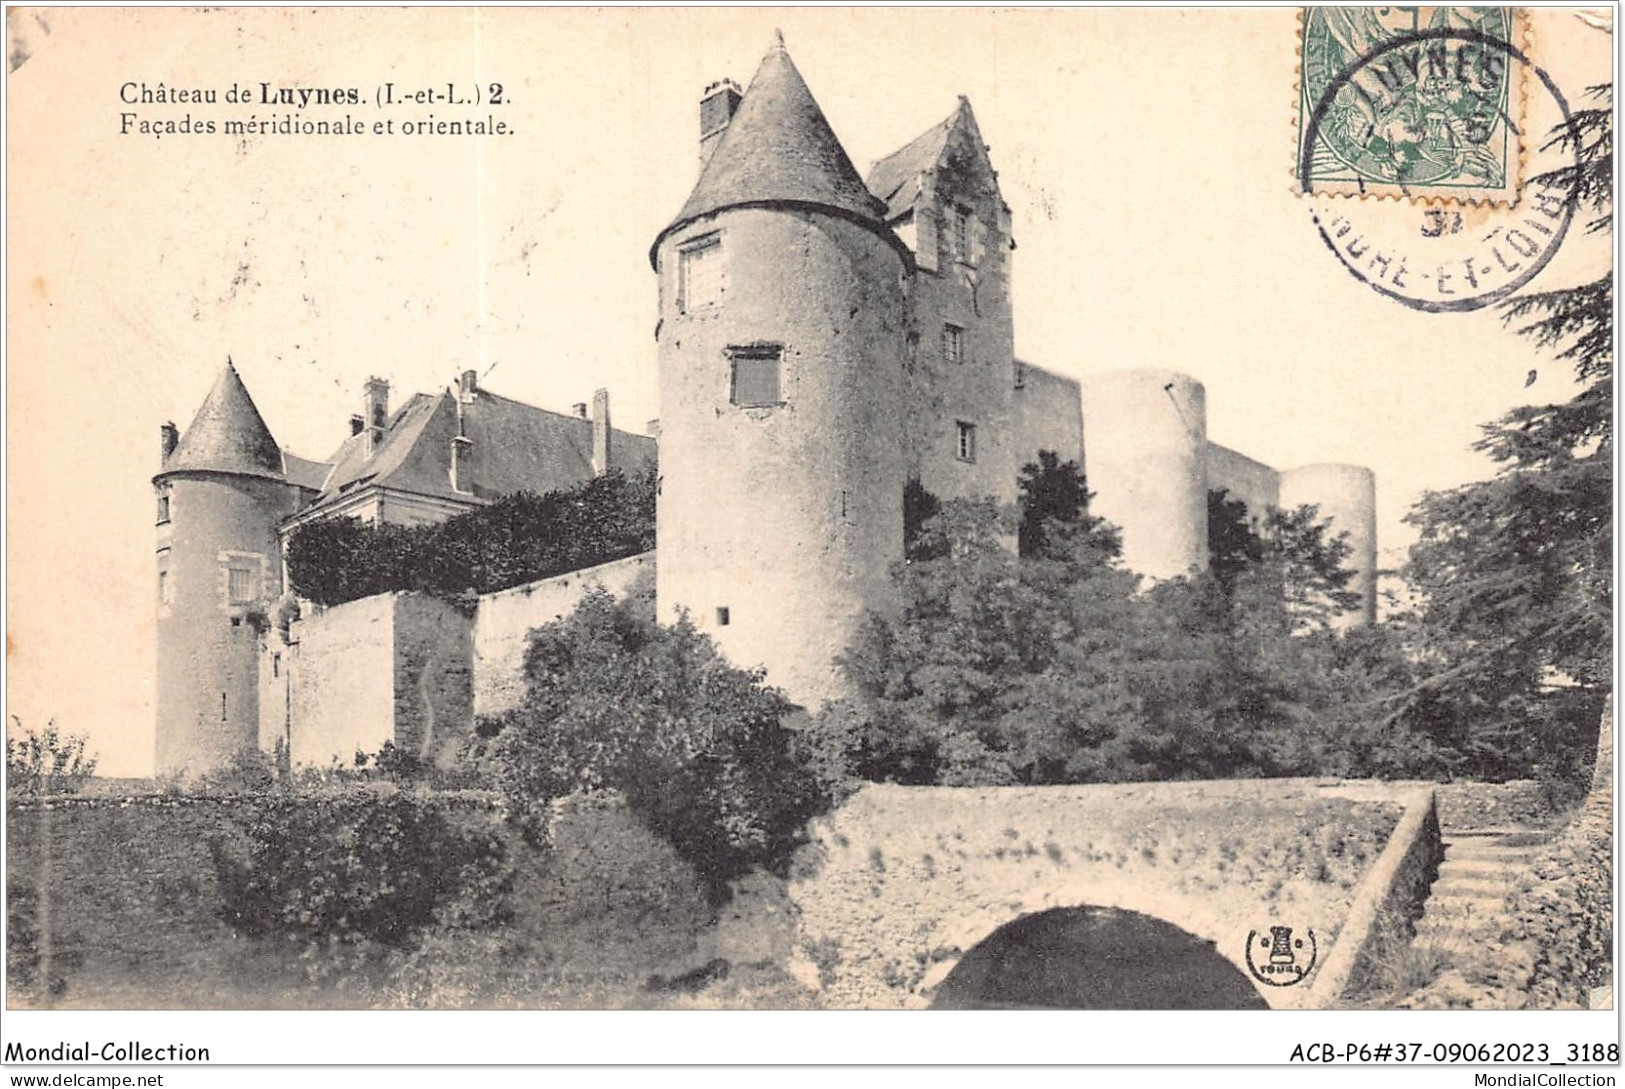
<point>45,762</point>
<point>703,752</point>
<point>358,865</point>
<point>517,539</point>
<point>1056,666</point>
<point>1051,491</point>
<point>1514,573</point>
<point>919,507</point>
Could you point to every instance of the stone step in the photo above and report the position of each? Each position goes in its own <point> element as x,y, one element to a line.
<point>1457,851</point>
<point>1458,887</point>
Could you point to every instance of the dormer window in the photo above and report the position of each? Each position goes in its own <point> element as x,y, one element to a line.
<point>701,274</point>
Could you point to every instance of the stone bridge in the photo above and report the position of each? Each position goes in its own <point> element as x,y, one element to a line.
<point>1115,896</point>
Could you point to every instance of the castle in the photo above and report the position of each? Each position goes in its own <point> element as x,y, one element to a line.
<point>822,340</point>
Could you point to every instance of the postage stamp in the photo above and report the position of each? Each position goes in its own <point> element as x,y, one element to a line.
<point>1411,102</point>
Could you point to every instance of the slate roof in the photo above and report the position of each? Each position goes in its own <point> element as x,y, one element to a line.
<point>778,148</point>
<point>228,435</point>
<point>515,447</point>
<point>896,178</point>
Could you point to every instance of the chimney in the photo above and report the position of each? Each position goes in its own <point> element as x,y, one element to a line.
<point>467,384</point>
<point>375,413</point>
<point>168,437</point>
<point>357,424</point>
<point>652,428</point>
<point>600,432</point>
<point>579,410</point>
<point>462,464</point>
<point>717,106</point>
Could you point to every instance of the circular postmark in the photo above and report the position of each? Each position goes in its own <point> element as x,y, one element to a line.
<point>1436,250</point>
<point>1282,956</point>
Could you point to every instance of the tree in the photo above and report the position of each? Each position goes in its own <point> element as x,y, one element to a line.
<point>45,762</point>
<point>704,753</point>
<point>1514,573</point>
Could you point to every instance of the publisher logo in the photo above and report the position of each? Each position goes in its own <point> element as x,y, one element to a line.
<point>1281,957</point>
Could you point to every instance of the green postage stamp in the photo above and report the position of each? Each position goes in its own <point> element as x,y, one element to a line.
<point>1417,102</point>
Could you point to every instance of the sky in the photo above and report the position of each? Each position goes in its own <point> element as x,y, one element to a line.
<point>1147,156</point>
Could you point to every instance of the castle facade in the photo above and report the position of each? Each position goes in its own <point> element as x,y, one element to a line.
<point>823,339</point>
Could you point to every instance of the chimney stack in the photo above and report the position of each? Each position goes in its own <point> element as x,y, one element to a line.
<point>717,106</point>
<point>467,384</point>
<point>652,428</point>
<point>600,432</point>
<point>169,436</point>
<point>579,410</point>
<point>357,425</point>
<point>462,464</point>
<point>375,411</point>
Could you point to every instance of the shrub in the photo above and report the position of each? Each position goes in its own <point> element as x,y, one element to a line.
<point>703,752</point>
<point>517,539</point>
<point>355,865</point>
<point>44,762</point>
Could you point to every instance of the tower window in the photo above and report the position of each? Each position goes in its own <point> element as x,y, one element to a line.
<point>163,507</point>
<point>722,616</point>
<point>754,375</point>
<point>911,352</point>
<point>166,589</point>
<point>966,441</point>
<point>700,274</point>
<point>959,222</point>
<point>953,344</point>
<point>239,585</point>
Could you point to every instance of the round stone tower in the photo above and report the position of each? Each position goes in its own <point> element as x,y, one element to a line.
<point>1145,445</point>
<point>780,357</point>
<point>221,494</point>
<point>1347,494</point>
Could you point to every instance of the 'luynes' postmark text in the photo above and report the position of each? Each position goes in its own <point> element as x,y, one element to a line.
<point>1410,102</point>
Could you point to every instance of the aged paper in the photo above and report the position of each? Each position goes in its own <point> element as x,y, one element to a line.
<point>323,196</point>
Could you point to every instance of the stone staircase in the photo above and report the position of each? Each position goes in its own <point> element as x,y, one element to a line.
<point>1481,868</point>
<point>1465,922</point>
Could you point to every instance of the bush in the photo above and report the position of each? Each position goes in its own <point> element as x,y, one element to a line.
<point>44,762</point>
<point>517,539</point>
<point>358,865</point>
<point>703,753</point>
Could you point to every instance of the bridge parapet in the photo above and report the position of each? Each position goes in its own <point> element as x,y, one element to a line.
<point>900,882</point>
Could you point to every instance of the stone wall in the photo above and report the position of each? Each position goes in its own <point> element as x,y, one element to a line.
<point>900,882</point>
<point>341,684</point>
<point>432,676</point>
<point>1048,414</point>
<point>504,621</point>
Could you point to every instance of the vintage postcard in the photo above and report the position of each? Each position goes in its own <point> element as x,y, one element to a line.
<point>576,510</point>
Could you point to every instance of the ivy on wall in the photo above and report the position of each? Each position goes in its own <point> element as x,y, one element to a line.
<point>518,539</point>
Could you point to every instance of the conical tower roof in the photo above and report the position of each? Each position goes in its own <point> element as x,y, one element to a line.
<point>228,435</point>
<point>779,149</point>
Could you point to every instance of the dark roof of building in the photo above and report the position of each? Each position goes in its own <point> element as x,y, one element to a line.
<point>514,447</point>
<point>304,472</point>
<point>896,178</point>
<point>778,148</point>
<point>227,435</point>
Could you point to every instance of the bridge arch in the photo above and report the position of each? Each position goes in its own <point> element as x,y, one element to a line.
<point>1092,957</point>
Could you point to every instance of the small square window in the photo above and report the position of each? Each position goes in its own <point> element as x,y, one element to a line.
<point>966,441</point>
<point>754,375</point>
<point>700,274</point>
<point>953,344</point>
